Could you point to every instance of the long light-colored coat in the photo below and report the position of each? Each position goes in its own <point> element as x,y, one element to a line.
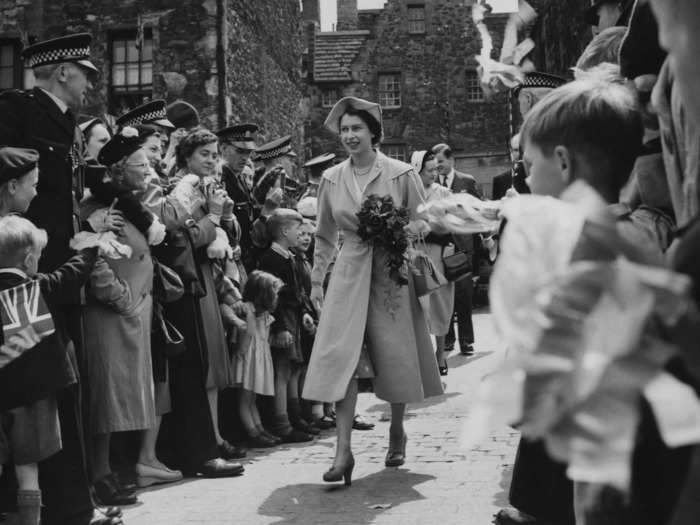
<point>118,336</point>
<point>362,302</point>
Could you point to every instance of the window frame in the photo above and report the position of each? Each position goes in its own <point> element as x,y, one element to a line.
<point>329,90</point>
<point>386,149</point>
<point>397,84</point>
<point>412,28</point>
<point>472,83</point>
<point>133,93</point>
<point>17,64</point>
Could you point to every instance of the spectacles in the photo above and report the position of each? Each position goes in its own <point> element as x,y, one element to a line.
<point>142,165</point>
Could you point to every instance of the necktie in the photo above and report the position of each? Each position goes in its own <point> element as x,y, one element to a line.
<point>443,180</point>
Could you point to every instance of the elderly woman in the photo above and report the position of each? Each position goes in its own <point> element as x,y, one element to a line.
<point>204,368</point>
<point>439,304</point>
<point>118,324</point>
<point>397,341</point>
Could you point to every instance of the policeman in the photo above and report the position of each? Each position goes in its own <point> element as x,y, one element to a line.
<point>279,153</point>
<point>44,118</point>
<point>237,143</point>
<point>315,168</point>
<point>152,113</point>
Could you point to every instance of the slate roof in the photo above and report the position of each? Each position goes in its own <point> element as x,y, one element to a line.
<point>334,53</point>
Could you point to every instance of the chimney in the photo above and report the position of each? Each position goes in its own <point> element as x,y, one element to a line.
<point>310,11</point>
<point>347,15</point>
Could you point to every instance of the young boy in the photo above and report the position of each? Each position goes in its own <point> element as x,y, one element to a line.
<point>285,333</point>
<point>33,351</point>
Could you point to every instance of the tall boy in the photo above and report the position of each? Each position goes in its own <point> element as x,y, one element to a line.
<point>285,333</point>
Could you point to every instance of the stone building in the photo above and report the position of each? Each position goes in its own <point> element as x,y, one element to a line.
<point>416,58</point>
<point>223,56</point>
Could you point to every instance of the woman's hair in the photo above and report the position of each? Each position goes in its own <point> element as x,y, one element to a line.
<point>598,122</point>
<point>190,142</point>
<point>147,130</point>
<point>375,127</point>
<point>605,47</point>
<point>18,237</point>
<point>261,289</point>
<point>265,184</point>
<point>427,157</point>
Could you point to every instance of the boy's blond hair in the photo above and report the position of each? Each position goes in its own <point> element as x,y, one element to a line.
<point>598,122</point>
<point>18,237</point>
<point>280,219</point>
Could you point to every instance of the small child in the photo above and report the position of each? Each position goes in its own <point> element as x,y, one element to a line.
<point>252,362</point>
<point>36,354</point>
<point>283,227</point>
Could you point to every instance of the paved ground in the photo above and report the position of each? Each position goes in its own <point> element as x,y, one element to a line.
<point>440,483</point>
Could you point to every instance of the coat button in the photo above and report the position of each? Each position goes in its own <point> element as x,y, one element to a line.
<point>143,256</point>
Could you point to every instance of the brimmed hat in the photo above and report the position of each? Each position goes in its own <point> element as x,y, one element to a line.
<point>308,207</point>
<point>71,48</point>
<point>417,160</point>
<point>320,162</point>
<point>275,148</point>
<point>150,113</point>
<point>123,144</point>
<point>537,79</point>
<point>333,119</point>
<point>20,162</point>
<point>241,136</point>
<point>182,114</point>
<point>640,52</point>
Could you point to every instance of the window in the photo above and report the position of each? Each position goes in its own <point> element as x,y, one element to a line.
<point>395,151</point>
<point>329,96</point>
<point>11,67</point>
<point>474,91</point>
<point>132,71</point>
<point>390,90</point>
<point>416,19</point>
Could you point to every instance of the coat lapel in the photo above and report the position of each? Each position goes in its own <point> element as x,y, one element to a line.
<point>54,112</point>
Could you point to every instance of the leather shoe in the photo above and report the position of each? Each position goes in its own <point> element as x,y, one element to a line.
<point>108,492</point>
<point>149,475</point>
<point>261,441</point>
<point>359,423</point>
<point>229,451</point>
<point>466,349</point>
<point>325,422</point>
<point>220,468</point>
<point>305,426</point>
<point>295,436</point>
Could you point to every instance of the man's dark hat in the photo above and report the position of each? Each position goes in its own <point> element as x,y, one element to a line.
<point>72,48</point>
<point>182,114</point>
<point>640,52</point>
<point>123,144</point>
<point>242,136</point>
<point>539,80</point>
<point>150,113</point>
<point>591,14</point>
<point>18,164</point>
<point>321,162</point>
<point>276,148</point>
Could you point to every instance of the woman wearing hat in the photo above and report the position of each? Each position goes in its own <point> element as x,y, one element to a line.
<point>354,311</point>
<point>118,327</point>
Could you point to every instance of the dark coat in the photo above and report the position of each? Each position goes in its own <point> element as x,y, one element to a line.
<point>244,208</point>
<point>49,366</point>
<point>32,119</point>
<point>465,183</point>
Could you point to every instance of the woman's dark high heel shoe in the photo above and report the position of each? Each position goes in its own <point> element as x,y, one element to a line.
<point>338,472</point>
<point>443,369</point>
<point>396,457</point>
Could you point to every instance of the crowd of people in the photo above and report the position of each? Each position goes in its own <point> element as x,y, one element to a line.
<point>171,295</point>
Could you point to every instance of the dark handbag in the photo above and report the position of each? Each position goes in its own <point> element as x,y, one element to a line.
<point>167,285</point>
<point>166,336</point>
<point>457,266</point>
<point>178,252</point>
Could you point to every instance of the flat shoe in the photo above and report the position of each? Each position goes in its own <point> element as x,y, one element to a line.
<point>108,493</point>
<point>229,451</point>
<point>261,441</point>
<point>325,422</point>
<point>220,468</point>
<point>359,423</point>
<point>148,475</point>
<point>296,436</point>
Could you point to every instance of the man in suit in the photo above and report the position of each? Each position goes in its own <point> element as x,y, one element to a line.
<point>464,289</point>
<point>44,118</point>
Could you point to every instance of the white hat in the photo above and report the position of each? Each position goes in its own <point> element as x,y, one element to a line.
<point>333,119</point>
<point>417,159</point>
<point>307,207</point>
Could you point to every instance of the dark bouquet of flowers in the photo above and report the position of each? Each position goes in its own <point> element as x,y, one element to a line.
<point>382,225</point>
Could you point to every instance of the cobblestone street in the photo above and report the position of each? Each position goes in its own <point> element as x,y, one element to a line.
<point>440,483</point>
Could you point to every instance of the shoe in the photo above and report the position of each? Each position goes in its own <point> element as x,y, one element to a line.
<point>338,472</point>
<point>325,422</point>
<point>466,349</point>
<point>229,451</point>
<point>305,426</point>
<point>396,457</point>
<point>261,441</point>
<point>443,369</point>
<point>295,436</point>
<point>149,475</point>
<point>512,516</point>
<point>220,468</point>
<point>108,492</point>
<point>359,423</point>
<point>271,436</point>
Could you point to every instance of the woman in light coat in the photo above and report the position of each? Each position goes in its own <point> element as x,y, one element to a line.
<point>362,303</point>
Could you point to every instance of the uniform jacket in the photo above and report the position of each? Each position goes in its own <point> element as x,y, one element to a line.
<point>32,119</point>
<point>244,207</point>
<point>49,366</point>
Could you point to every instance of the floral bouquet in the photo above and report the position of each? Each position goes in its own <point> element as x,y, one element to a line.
<point>383,225</point>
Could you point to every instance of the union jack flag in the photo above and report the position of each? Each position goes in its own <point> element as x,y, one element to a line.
<point>26,320</point>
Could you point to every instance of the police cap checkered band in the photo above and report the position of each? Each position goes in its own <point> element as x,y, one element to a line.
<point>73,48</point>
<point>151,112</point>
<point>238,133</point>
<point>540,80</point>
<point>275,149</point>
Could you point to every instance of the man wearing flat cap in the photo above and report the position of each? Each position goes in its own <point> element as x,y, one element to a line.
<point>237,143</point>
<point>44,119</point>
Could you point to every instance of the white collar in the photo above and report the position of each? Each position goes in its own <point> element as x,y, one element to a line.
<point>282,251</point>
<point>61,105</point>
<point>15,271</point>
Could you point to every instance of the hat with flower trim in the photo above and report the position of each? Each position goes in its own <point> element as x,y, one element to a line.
<point>123,144</point>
